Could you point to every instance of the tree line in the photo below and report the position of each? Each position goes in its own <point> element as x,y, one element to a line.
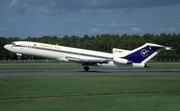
<point>104,42</point>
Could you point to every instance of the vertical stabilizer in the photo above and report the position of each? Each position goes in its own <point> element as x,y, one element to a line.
<point>145,53</point>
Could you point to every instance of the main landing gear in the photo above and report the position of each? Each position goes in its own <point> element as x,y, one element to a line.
<point>86,68</point>
<point>87,64</point>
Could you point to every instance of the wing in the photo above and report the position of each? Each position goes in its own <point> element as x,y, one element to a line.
<point>87,61</point>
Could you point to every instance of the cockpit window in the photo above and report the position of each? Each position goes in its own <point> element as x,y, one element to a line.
<point>13,43</point>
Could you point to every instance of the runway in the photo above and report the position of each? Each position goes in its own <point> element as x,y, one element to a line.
<point>153,72</point>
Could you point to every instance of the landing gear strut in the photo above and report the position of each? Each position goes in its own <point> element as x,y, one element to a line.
<point>86,68</point>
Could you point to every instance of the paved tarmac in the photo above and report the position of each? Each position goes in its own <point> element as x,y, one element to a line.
<point>154,72</point>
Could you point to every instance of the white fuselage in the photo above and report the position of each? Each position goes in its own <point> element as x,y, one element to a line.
<point>59,52</point>
<point>82,56</point>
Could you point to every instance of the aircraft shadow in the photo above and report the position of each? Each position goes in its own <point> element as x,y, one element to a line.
<point>93,71</point>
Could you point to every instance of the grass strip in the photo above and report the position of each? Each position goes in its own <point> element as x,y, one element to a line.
<point>43,66</point>
<point>43,86</point>
<point>87,93</point>
<point>72,66</point>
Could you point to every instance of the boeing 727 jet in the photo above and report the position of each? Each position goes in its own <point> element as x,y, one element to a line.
<point>119,58</point>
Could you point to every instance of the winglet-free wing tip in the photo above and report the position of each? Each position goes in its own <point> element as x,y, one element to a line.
<point>168,48</point>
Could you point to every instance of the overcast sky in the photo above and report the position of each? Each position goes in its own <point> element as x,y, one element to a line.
<point>36,18</point>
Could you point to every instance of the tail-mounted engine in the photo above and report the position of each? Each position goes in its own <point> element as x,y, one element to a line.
<point>137,65</point>
<point>121,60</point>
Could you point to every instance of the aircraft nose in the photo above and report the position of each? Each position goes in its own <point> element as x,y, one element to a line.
<point>7,47</point>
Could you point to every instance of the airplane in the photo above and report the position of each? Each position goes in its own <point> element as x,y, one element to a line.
<point>119,58</point>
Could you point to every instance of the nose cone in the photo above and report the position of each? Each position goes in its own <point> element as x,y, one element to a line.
<point>5,46</point>
<point>8,47</point>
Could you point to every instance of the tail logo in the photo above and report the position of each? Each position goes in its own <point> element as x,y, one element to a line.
<point>144,52</point>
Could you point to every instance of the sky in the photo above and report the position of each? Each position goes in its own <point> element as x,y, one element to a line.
<point>37,18</point>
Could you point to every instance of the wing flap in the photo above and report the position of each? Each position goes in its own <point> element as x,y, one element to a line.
<point>74,59</point>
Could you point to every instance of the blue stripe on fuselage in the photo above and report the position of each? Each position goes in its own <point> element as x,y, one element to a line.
<point>141,54</point>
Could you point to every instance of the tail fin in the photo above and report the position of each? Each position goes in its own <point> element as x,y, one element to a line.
<point>144,53</point>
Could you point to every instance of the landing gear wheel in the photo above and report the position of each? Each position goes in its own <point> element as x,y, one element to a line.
<point>86,68</point>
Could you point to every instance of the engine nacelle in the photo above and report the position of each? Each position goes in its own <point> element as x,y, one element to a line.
<point>19,54</point>
<point>121,60</point>
<point>137,65</point>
